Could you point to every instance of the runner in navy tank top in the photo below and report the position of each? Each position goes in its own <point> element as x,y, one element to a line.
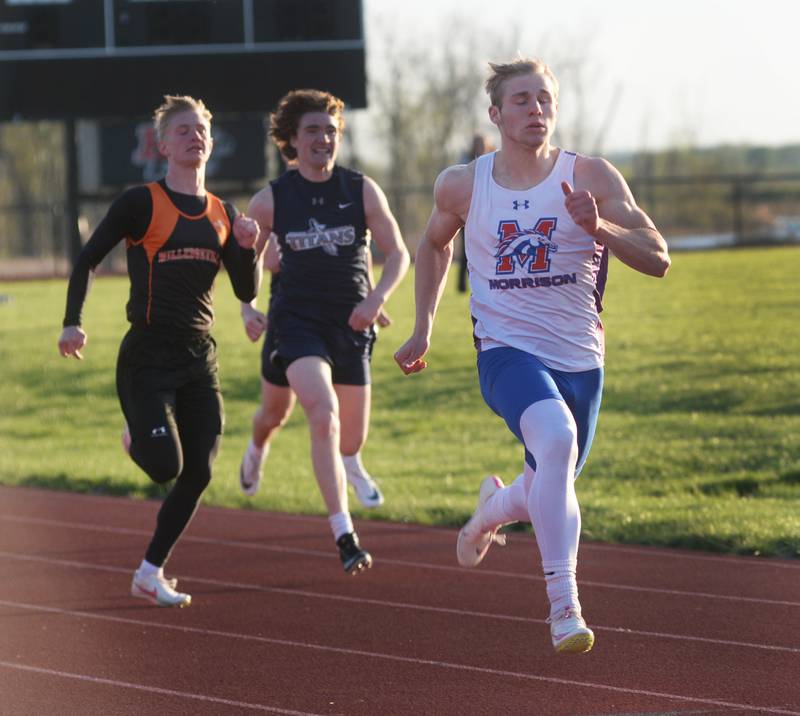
<point>537,251</point>
<point>320,323</point>
<point>278,399</point>
<point>176,234</point>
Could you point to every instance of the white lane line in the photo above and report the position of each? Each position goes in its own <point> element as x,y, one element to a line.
<point>326,596</point>
<point>735,561</point>
<point>397,658</point>
<point>401,562</point>
<point>152,689</point>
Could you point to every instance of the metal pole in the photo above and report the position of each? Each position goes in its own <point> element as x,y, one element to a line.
<point>74,244</point>
<point>738,218</point>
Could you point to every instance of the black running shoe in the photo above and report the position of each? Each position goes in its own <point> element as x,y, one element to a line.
<point>354,559</point>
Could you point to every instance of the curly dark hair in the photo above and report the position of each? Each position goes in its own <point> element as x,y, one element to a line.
<point>285,120</point>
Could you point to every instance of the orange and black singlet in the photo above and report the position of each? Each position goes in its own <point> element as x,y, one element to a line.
<point>175,243</point>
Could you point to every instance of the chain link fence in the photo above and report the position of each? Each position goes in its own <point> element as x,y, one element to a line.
<point>691,212</point>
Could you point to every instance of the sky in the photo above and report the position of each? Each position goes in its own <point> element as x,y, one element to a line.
<point>688,72</point>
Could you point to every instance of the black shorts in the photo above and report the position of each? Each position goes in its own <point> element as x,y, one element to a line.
<point>164,381</point>
<point>291,336</point>
<point>271,371</point>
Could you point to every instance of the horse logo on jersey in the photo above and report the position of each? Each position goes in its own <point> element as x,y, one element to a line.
<point>320,236</point>
<point>531,247</point>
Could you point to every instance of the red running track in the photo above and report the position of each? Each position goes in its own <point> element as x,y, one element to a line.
<point>276,627</point>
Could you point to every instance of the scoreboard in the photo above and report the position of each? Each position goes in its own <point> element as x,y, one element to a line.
<point>117,58</point>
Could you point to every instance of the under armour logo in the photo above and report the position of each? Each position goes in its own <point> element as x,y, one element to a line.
<point>524,203</point>
<point>317,201</point>
<point>159,432</point>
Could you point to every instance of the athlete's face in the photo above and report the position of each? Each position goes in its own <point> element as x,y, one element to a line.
<point>187,140</point>
<point>317,140</point>
<point>528,110</point>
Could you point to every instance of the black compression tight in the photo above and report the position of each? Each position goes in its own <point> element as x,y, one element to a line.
<point>191,460</point>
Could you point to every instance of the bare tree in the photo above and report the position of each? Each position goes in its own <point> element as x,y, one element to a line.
<point>429,102</point>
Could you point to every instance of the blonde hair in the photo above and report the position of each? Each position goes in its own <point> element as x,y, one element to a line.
<point>171,106</point>
<point>502,71</point>
<point>285,120</point>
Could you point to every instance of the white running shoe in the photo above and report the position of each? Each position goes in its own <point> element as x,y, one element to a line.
<point>569,632</point>
<point>158,590</point>
<point>367,490</point>
<point>250,472</point>
<point>473,544</point>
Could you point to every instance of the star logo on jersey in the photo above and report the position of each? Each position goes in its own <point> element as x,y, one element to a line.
<point>319,236</point>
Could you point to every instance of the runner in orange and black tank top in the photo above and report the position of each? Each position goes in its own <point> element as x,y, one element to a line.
<point>167,375</point>
<point>177,234</point>
<point>175,243</point>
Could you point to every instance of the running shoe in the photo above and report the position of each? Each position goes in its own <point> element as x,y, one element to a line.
<point>354,558</point>
<point>367,490</point>
<point>250,473</point>
<point>159,590</point>
<point>569,632</point>
<point>473,544</point>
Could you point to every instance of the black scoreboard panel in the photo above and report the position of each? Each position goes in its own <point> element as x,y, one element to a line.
<point>30,25</point>
<point>182,22</point>
<point>280,20</point>
<point>112,58</point>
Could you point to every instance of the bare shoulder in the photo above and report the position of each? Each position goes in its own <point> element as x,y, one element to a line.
<point>261,207</point>
<point>373,194</point>
<point>600,177</point>
<point>453,189</point>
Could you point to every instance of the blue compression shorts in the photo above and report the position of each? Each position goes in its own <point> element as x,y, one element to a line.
<point>511,380</point>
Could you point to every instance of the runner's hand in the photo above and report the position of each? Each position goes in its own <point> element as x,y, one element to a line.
<point>246,231</point>
<point>409,355</point>
<point>384,319</point>
<point>582,207</point>
<point>255,322</point>
<point>71,341</point>
<point>365,313</point>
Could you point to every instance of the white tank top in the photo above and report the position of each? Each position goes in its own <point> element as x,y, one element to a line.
<point>536,277</point>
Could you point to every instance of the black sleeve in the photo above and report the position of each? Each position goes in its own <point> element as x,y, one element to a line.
<point>128,216</point>
<point>240,263</point>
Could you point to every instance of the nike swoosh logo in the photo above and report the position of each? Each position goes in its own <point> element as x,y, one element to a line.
<point>149,592</point>
<point>344,206</point>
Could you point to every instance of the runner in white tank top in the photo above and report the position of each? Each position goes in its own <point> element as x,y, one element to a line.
<point>535,275</point>
<point>537,262</point>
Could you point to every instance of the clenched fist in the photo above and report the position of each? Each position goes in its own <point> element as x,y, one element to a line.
<point>246,231</point>
<point>582,207</point>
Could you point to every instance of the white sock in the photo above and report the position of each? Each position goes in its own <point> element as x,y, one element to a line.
<point>509,504</point>
<point>341,524</point>
<point>353,464</point>
<point>562,586</point>
<point>259,454</point>
<point>146,569</point>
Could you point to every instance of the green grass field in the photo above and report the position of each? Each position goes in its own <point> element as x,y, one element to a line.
<point>698,443</point>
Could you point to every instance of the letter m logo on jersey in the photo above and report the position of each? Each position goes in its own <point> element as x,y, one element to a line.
<point>525,247</point>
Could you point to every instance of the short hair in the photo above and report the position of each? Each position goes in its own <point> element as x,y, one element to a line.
<point>285,120</point>
<point>171,106</point>
<point>502,71</point>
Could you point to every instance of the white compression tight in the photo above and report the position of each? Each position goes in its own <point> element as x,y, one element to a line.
<point>551,436</point>
<point>547,497</point>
